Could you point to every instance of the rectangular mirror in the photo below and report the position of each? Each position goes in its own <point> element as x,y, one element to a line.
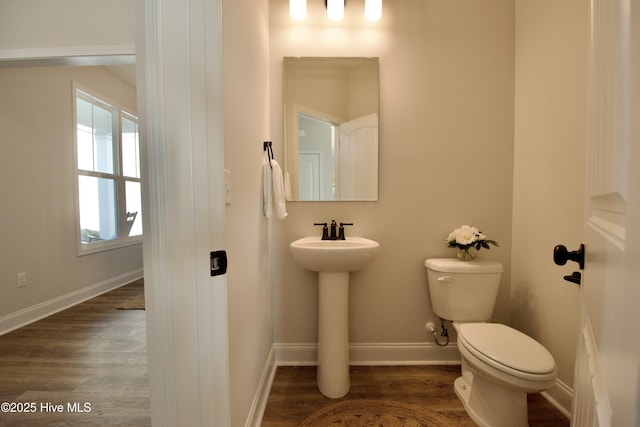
<point>331,128</point>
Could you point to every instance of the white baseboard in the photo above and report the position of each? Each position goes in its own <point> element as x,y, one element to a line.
<point>560,396</point>
<point>380,354</point>
<point>36,312</point>
<point>374,354</point>
<point>254,419</point>
<point>293,354</point>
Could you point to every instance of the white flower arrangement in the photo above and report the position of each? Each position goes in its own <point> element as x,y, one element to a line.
<point>467,237</point>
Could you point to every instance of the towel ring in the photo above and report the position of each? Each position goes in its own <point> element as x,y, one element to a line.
<point>267,146</point>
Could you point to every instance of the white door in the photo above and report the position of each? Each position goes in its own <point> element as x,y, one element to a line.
<point>358,159</point>
<point>607,380</point>
<point>179,94</point>
<point>309,176</point>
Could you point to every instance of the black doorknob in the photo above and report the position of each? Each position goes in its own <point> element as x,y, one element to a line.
<point>561,255</point>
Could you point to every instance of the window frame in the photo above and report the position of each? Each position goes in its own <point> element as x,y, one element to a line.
<point>120,112</point>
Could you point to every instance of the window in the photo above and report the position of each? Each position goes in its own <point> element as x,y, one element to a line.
<point>107,151</point>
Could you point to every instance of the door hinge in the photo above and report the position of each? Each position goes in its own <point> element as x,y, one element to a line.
<point>218,262</point>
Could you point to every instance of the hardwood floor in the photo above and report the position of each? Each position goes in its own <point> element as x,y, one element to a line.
<point>295,396</point>
<point>91,354</point>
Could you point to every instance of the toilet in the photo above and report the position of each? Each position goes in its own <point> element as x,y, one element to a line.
<point>500,365</point>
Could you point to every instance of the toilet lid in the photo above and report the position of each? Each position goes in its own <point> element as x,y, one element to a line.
<point>506,346</point>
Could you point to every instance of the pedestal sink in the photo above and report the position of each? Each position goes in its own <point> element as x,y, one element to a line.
<point>333,260</point>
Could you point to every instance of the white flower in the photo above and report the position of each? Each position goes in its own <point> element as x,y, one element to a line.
<point>467,236</point>
<point>469,229</point>
<point>464,235</point>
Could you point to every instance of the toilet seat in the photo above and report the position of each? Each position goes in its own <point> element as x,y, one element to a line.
<point>508,350</point>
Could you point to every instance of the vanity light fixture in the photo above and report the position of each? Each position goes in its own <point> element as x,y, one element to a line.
<point>335,9</point>
<point>298,9</point>
<point>373,10</point>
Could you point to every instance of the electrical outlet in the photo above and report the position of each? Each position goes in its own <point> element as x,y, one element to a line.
<point>21,280</point>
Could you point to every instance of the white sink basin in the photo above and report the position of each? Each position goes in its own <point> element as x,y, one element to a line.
<point>319,255</point>
<point>333,260</point>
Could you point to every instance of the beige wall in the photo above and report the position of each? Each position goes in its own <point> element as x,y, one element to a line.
<point>550,144</point>
<point>446,157</point>
<point>37,202</point>
<point>41,24</point>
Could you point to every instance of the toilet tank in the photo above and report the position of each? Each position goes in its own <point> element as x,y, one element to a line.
<point>463,291</point>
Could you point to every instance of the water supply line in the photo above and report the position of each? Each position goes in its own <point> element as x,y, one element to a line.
<point>430,326</point>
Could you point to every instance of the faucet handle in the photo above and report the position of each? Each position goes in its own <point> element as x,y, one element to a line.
<point>325,229</point>
<point>341,230</point>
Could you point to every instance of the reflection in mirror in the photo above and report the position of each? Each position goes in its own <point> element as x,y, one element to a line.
<point>331,128</point>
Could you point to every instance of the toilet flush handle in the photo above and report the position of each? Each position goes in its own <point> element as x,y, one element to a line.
<point>444,279</point>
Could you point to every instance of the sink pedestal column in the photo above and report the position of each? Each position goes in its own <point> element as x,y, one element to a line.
<point>333,334</point>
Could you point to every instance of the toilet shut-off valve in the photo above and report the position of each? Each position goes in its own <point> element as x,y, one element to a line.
<point>430,326</point>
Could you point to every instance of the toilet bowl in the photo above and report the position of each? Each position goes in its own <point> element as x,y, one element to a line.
<point>500,365</point>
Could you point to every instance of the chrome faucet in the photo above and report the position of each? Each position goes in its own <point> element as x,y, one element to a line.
<point>335,232</point>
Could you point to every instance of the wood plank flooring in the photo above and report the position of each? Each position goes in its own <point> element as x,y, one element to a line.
<point>93,353</point>
<point>295,396</point>
<point>90,354</point>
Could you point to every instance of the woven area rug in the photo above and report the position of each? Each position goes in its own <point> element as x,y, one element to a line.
<point>382,413</point>
<point>134,303</point>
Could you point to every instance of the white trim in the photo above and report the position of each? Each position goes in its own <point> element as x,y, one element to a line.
<point>373,354</point>
<point>610,231</point>
<point>561,397</point>
<point>67,51</point>
<point>39,311</point>
<point>295,354</point>
<point>262,394</point>
<point>318,115</point>
<point>101,99</point>
<point>376,354</point>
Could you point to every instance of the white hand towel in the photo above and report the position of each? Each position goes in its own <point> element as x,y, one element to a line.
<point>278,190</point>
<point>267,188</point>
